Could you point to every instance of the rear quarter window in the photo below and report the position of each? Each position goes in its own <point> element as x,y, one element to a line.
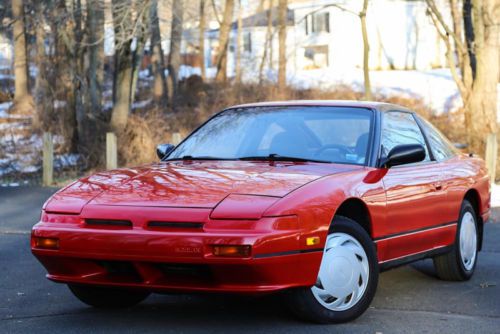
<point>440,145</point>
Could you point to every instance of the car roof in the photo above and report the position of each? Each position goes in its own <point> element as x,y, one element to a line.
<point>380,106</point>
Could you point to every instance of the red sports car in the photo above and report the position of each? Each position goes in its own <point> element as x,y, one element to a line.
<point>312,198</point>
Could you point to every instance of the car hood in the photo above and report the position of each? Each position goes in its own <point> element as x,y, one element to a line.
<point>193,184</point>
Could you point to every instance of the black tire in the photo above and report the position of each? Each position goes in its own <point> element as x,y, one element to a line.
<point>107,297</point>
<point>302,301</point>
<point>449,266</point>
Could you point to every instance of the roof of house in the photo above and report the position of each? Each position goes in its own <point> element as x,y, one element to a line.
<point>260,19</point>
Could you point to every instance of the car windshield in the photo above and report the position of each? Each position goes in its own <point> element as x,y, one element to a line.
<point>295,133</point>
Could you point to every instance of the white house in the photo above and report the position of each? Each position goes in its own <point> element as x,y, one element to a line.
<point>327,34</point>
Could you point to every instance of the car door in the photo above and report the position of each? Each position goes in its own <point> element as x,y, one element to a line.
<point>414,195</point>
<point>454,173</point>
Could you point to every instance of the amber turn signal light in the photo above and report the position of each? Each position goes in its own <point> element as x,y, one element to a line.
<point>46,243</point>
<point>232,251</point>
<point>311,241</point>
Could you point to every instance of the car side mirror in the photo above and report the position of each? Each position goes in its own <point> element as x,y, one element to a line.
<point>404,154</point>
<point>163,150</point>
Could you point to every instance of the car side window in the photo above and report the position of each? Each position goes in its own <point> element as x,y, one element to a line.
<point>441,148</point>
<point>400,128</point>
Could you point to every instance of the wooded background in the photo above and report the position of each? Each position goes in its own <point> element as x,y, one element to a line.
<point>78,93</point>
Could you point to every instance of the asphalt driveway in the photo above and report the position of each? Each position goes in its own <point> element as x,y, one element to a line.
<point>409,299</point>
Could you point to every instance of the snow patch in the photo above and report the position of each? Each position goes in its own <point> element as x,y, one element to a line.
<point>495,195</point>
<point>3,109</point>
<point>141,104</point>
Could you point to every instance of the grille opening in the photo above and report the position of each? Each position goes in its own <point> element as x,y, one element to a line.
<point>108,222</point>
<point>185,273</point>
<point>121,269</point>
<point>189,225</point>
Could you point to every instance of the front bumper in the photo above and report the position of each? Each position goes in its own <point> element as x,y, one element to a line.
<point>179,259</point>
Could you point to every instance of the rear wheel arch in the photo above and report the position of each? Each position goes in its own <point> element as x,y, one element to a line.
<point>355,209</point>
<point>472,195</point>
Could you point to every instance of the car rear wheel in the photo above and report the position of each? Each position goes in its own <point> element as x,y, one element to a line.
<point>347,278</point>
<point>107,297</point>
<point>460,262</point>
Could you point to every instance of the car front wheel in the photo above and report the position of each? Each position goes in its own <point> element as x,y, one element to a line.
<point>347,278</point>
<point>107,297</point>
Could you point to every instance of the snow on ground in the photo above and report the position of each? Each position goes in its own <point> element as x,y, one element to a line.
<point>4,107</point>
<point>436,87</point>
<point>495,195</point>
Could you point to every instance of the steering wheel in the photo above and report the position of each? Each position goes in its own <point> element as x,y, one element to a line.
<point>341,148</point>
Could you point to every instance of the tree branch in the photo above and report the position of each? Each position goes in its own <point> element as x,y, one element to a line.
<point>449,57</point>
<point>216,13</point>
<point>439,19</point>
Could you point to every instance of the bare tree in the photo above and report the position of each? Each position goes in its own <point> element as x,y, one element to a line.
<point>95,74</point>
<point>174,57</point>
<point>268,45</point>
<point>238,43</point>
<point>479,50</point>
<point>22,99</point>
<point>122,85</point>
<point>201,55</point>
<point>142,33</point>
<point>41,84</point>
<point>282,22</point>
<point>158,61</point>
<point>221,61</point>
<point>366,52</point>
<point>131,24</point>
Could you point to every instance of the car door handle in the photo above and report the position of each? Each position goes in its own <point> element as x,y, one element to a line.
<point>438,186</point>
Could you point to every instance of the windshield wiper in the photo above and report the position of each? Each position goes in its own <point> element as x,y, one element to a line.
<point>278,157</point>
<point>190,157</point>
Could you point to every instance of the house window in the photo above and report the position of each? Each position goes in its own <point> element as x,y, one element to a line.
<point>317,22</point>
<point>316,57</point>
<point>247,42</point>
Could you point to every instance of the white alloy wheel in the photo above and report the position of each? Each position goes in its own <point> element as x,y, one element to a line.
<point>343,274</point>
<point>468,241</point>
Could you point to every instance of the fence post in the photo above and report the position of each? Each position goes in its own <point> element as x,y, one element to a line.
<point>111,151</point>
<point>48,159</point>
<point>176,138</point>
<point>491,155</point>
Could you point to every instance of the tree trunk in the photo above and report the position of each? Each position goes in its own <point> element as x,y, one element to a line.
<point>23,102</point>
<point>122,88</point>
<point>282,22</point>
<point>201,55</point>
<point>238,44</point>
<point>482,102</point>
<point>457,29</point>
<point>141,37</point>
<point>80,87</point>
<point>469,34</point>
<point>158,61</point>
<point>122,81</point>
<point>366,52</point>
<point>224,31</point>
<point>41,84</point>
<point>268,44</point>
<point>95,31</point>
<point>61,81</point>
<point>174,57</point>
<point>478,82</point>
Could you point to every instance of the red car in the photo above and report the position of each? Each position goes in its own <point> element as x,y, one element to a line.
<point>312,198</point>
